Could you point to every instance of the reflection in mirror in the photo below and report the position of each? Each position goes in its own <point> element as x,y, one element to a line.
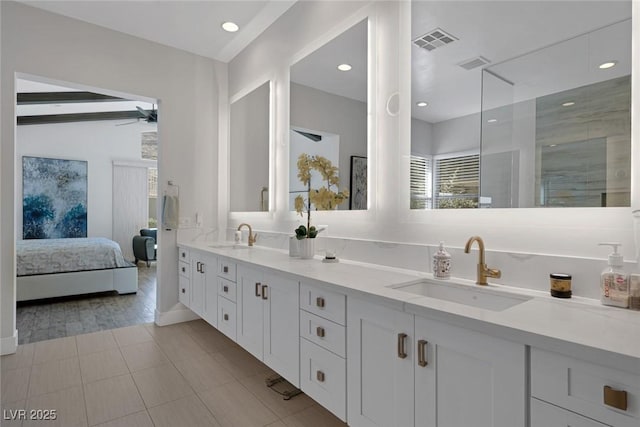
<point>560,136</point>
<point>328,113</point>
<point>460,99</point>
<point>249,151</point>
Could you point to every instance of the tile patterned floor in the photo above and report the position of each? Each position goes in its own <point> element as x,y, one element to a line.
<point>38,321</point>
<point>186,374</point>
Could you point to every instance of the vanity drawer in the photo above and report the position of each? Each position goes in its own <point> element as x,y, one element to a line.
<point>227,317</point>
<point>227,269</point>
<point>324,378</point>
<point>183,254</point>
<point>323,332</point>
<point>184,290</point>
<point>184,269</point>
<point>227,289</point>
<point>328,304</point>
<point>546,415</point>
<point>595,391</point>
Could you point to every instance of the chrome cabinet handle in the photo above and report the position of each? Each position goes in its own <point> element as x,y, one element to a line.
<point>258,284</point>
<point>402,354</point>
<point>202,267</point>
<point>264,292</point>
<point>198,266</point>
<point>320,302</point>
<point>320,331</point>
<point>422,353</point>
<point>320,376</point>
<point>615,398</point>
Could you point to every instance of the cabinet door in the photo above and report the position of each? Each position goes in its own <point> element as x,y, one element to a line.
<point>282,326</point>
<point>546,415</point>
<point>380,360</point>
<point>198,269</point>
<point>210,308</point>
<point>249,328</point>
<point>469,379</point>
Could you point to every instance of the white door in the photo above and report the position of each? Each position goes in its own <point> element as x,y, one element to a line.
<point>130,205</point>
<point>379,366</point>
<point>467,378</point>
<point>250,310</point>
<point>282,327</point>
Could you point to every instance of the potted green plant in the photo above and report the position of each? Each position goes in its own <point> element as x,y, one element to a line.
<point>323,198</point>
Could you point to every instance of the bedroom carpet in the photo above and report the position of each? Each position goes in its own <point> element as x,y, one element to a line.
<point>187,374</point>
<point>64,317</point>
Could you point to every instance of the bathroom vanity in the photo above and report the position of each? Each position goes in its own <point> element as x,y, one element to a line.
<point>382,347</point>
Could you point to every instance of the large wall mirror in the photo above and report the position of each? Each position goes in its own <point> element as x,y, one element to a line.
<point>250,139</point>
<point>328,116</point>
<point>520,104</point>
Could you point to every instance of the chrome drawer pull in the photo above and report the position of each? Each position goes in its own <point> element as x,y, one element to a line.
<point>183,291</point>
<point>225,269</point>
<point>184,270</point>
<point>402,354</point>
<point>422,353</point>
<point>320,331</point>
<point>320,302</point>
<point>615,398</point>
<point>225,317</point>
<point>320,376</point>
<point>225,288</point>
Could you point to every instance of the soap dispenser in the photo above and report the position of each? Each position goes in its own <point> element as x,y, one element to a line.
<point>614,282</point>
<point>442,263</point>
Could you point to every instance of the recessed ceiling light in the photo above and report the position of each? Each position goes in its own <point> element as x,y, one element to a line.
<point>492,120</point>
<point>608,64</point>
<point>568,104</point>
<point>553,145</point>
<point>229,26</point>
<point>422,104</point>
<point>344,67</point>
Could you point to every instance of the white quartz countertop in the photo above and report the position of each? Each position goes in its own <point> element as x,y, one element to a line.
<point>562,325</point>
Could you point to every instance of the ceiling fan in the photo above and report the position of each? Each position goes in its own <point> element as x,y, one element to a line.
<point>149,116</point>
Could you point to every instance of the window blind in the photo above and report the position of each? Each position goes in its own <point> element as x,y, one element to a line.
<point>457,182</point>
<point>421,182</point>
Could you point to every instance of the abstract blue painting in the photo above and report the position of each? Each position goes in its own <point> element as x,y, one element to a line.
<point>54,198</point>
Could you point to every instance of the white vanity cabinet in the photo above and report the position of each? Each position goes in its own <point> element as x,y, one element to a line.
<point>597,392</point>
<point>197,283</point>
<point>323,347</point>
<point>268,320</point>
<point>405,370</point>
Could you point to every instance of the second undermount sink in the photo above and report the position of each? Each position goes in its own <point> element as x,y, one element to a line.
<point>470,295</point>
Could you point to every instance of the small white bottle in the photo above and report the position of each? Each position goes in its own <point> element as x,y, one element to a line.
<point>442,263</point>
<point>614,282</point>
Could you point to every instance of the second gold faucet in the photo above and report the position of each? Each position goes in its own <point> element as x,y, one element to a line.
<point>483,270</point>
<point>252,237</point>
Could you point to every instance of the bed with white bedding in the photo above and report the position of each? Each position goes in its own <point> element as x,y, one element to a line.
<point>49,268</point>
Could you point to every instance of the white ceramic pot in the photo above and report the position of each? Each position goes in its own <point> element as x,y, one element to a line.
<point>307,248</point>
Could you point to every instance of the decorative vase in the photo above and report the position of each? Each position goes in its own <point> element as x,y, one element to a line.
<point>307,248</point>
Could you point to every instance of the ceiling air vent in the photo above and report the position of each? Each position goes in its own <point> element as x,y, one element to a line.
<point>472,63</point>
<point>434,39</point>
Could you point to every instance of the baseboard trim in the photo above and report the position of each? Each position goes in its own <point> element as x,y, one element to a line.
<point>174,316</point>
<point>9,345</point>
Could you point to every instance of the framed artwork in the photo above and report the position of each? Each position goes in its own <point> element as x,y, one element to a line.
<point>54,198</point>
<point>358,185</point>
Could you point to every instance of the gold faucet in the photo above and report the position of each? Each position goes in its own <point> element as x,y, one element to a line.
<point>483,270</point>
<point>252,237</point>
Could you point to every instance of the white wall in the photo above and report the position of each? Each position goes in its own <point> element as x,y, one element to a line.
<point>98,143</point>
<point>39,43</point>
<point>456,135</point>
<point>558,232</point>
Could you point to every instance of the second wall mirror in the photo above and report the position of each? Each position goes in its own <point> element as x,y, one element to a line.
<point>329,115</point>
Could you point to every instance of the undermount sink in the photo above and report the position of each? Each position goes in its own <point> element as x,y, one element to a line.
<point>228,246</point>
<point>487,299</point>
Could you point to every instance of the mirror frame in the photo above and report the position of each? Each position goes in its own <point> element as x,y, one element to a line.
<point>234,215</point>
<point>367,13</point>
